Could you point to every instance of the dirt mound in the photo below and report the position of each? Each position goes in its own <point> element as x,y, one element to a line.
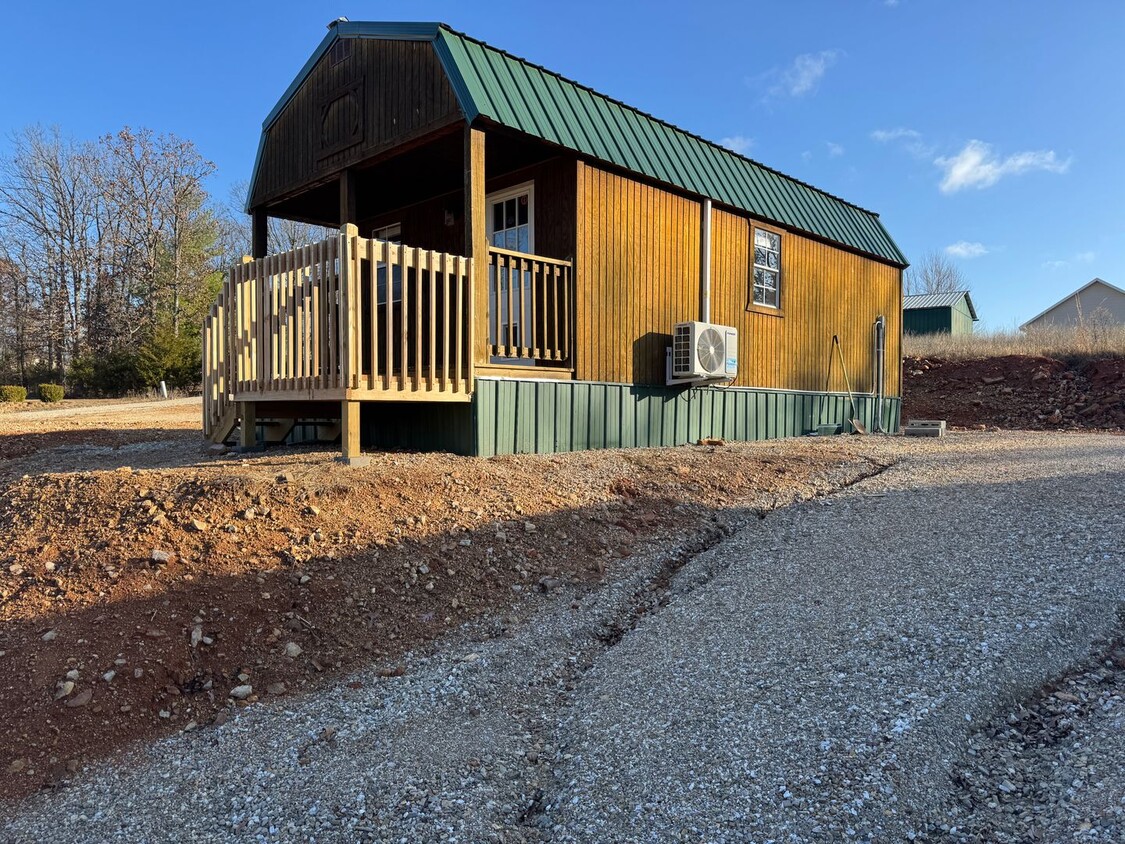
<point>135,603</point>
<point>1016,391</point>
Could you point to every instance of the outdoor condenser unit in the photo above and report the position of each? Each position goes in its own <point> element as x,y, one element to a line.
<point>702,351</point>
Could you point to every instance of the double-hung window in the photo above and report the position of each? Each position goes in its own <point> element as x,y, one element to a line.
<point>767,268</point>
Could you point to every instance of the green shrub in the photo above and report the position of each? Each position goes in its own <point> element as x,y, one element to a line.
<point>175,360</point>
<point>118,372</point>
<point>51,392</point>
<point>13,393</point>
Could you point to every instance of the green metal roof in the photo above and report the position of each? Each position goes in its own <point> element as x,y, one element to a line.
<point>948,299</point>
<point>515,93</point>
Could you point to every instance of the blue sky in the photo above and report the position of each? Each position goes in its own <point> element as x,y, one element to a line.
<point>990,130</point>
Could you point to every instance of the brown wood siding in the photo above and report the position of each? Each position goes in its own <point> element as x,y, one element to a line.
<point>555,197</point>
<point>824,291</point>
<point>423,224</point>
<point>381,95</point>
<point>637,273</point>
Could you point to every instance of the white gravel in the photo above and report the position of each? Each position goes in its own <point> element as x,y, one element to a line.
<point>814,677</point>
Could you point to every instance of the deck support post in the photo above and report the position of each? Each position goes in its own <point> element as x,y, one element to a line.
<point>259,233</point>
<point>248,425</point>
<point>476,245</point>
<point>350,451</point>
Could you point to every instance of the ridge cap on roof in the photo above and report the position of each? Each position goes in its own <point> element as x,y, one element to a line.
<point>1072,294</point>
<point>645,114</point>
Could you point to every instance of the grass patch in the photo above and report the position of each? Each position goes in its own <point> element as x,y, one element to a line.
<point>1070,343</point>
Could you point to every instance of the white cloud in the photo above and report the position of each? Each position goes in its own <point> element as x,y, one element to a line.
<point>1078,258</point>
<point>834,149</point>
<point>802,76</point>
<point>890,3</point>
<point>966,249</point>
<point>884,136</point>
<point>806,155</point>
<point>977,166</point>
<point>738,143</point>
<point>909,139</point>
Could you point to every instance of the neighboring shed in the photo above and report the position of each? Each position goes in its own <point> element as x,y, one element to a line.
<point>1097,302</point>
<point>517,256</point>
<point>939,313</point>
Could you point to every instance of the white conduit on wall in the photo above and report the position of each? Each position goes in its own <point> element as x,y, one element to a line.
<point>705,265</point>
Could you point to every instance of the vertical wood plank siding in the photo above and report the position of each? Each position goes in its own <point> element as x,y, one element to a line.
<point>396,90</point>
<point>424,223</point>
<point>638,273</point>
<point>825,291</point>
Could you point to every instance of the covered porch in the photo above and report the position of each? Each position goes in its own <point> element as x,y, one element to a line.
<point>433,279</point>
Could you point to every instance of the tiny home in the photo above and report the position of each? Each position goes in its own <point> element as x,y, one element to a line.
<point>525,264</point>
<point>1095,303</point>
<point>939,313</point>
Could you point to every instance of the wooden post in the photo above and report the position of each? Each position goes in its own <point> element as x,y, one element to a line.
<point>347,198</point>
<point>350,451</point>
<point>476,248</point>
<point>260,233</point>
<point>248,425</point>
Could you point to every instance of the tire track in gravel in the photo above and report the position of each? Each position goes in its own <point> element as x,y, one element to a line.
<point>651,596</point>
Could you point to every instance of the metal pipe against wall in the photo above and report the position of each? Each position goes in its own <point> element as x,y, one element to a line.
<point>705,265</point>
<point>880,331</point>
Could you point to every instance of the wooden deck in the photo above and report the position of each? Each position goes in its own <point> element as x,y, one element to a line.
<point>353,319</point>
<point>317,324</point>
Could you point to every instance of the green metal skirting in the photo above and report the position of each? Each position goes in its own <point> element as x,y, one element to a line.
<point>509,416</point>
<point>515,416</point>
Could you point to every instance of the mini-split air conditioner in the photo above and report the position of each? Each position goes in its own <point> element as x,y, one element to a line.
<point>702,352</point>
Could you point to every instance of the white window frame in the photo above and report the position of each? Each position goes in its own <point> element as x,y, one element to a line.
<point>520,327</point>
<point>755,266</point>
<point>511,193</point>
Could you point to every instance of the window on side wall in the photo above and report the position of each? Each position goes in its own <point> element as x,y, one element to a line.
<point>767,269</point>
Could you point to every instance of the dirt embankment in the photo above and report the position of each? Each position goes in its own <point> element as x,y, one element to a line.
<point>1016,391</point>
<point>138,602</point>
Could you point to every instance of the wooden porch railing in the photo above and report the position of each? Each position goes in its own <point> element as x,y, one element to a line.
<point>529,298</point>
<point>346,318</point>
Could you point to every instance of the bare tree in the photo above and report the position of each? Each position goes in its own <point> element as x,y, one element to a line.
<point>283,235</point>
<point>108,243</point>
<point>934,273</point>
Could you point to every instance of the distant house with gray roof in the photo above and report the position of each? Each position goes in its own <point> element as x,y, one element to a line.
<point>939,313</point>
<point>1097,302</point>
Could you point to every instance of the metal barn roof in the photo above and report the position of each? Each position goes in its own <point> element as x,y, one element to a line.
<point>939,300</point>
<point>518,94</point>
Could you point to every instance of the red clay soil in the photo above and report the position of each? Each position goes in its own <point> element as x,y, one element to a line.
<point>135,603</point>
<point>1016,391</point>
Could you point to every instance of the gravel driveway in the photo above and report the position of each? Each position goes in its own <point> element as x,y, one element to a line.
<point>815,676</point>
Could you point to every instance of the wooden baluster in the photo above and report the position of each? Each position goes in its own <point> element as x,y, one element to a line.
<point>390,260</point>
<point>373,311</point>
<point>567,338</point>
<point>447,296</point>
<point>433,262</point>
<point>494,301</point>
<point>459,282</point>
<point>404,287</point>
<point>306,352</point>
<point>419,260</point>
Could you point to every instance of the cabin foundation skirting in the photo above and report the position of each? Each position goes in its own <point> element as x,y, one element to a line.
<point>527,416</point>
